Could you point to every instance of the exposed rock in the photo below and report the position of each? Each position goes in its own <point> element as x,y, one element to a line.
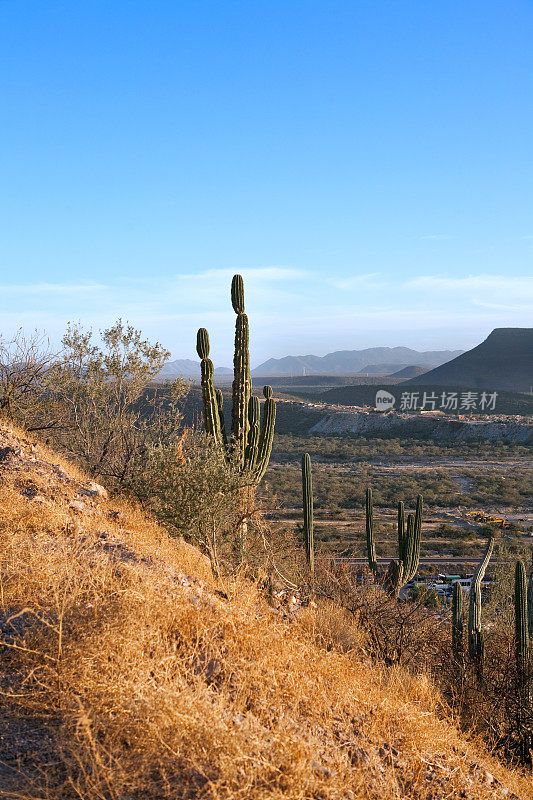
<point>6,453</point>
<point>339,422</point>
<point>94,490</point>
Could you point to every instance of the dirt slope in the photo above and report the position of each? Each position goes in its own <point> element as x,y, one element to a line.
<point>126,673</point>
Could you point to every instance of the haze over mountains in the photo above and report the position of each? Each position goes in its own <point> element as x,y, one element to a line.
<point>372,360</point>
<point>353,362</point>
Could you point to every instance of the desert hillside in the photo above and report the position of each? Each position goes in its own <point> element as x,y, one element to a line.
<point>128,673</point>
<point>503,361</point>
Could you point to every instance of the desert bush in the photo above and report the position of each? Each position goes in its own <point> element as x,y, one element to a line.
<point>26,364</point>
<point>416,635</point>
<point>196,493</point>
<point>94,399</point>
<point>110,421</point>
<point>397,633</point>
<point>359,448</point>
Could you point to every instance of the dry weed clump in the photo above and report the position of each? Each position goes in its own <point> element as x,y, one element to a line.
<point>155,682</point>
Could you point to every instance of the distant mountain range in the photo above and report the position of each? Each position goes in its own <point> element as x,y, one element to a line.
<point>353,362</point>
<point>373,361</point>
<point>503,361</point>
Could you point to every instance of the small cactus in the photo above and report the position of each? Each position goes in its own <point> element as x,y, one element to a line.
<point>370,544</point>
<point>307,497</point>
<point>405,568</point>
<point>522,657</point>
<point>476,644</point>
<point>530,606</point>
<point>457,623</point>
<point>413,537</point>
<point>521,619</point>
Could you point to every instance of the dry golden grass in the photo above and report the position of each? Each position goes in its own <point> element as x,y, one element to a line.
<point>119,644</point>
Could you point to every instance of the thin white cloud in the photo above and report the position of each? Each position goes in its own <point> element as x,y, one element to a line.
<point>51,288</point>
<point>489,283</point>
<point>434,237</point>
<point>502,307</point>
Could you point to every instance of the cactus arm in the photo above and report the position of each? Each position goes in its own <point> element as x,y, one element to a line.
<point>401,531</point>
<point>408,549</point>
<point>370,543</point>
<point>457,622</point>
<point>417,538</point>
<point>475,634</point>
<point>250,456</point>
<point>242,385</point>
<point>220,404</point>
<point>307,502</point>
<point>266,435</point>
<point>210,403</point>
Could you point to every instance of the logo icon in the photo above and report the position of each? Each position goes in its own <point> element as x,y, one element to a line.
<point>384,400</point>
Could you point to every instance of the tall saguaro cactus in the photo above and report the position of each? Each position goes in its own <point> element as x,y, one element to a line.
<point>405,568</point>
<point>249,446</point>
<point>476,645</point>
<point>307,498</point>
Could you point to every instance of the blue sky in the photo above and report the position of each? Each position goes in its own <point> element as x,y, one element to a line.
<point>366,166</point>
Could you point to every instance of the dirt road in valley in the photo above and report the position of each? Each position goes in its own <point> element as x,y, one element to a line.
<point>397,466</point>
<point>424,560</point>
